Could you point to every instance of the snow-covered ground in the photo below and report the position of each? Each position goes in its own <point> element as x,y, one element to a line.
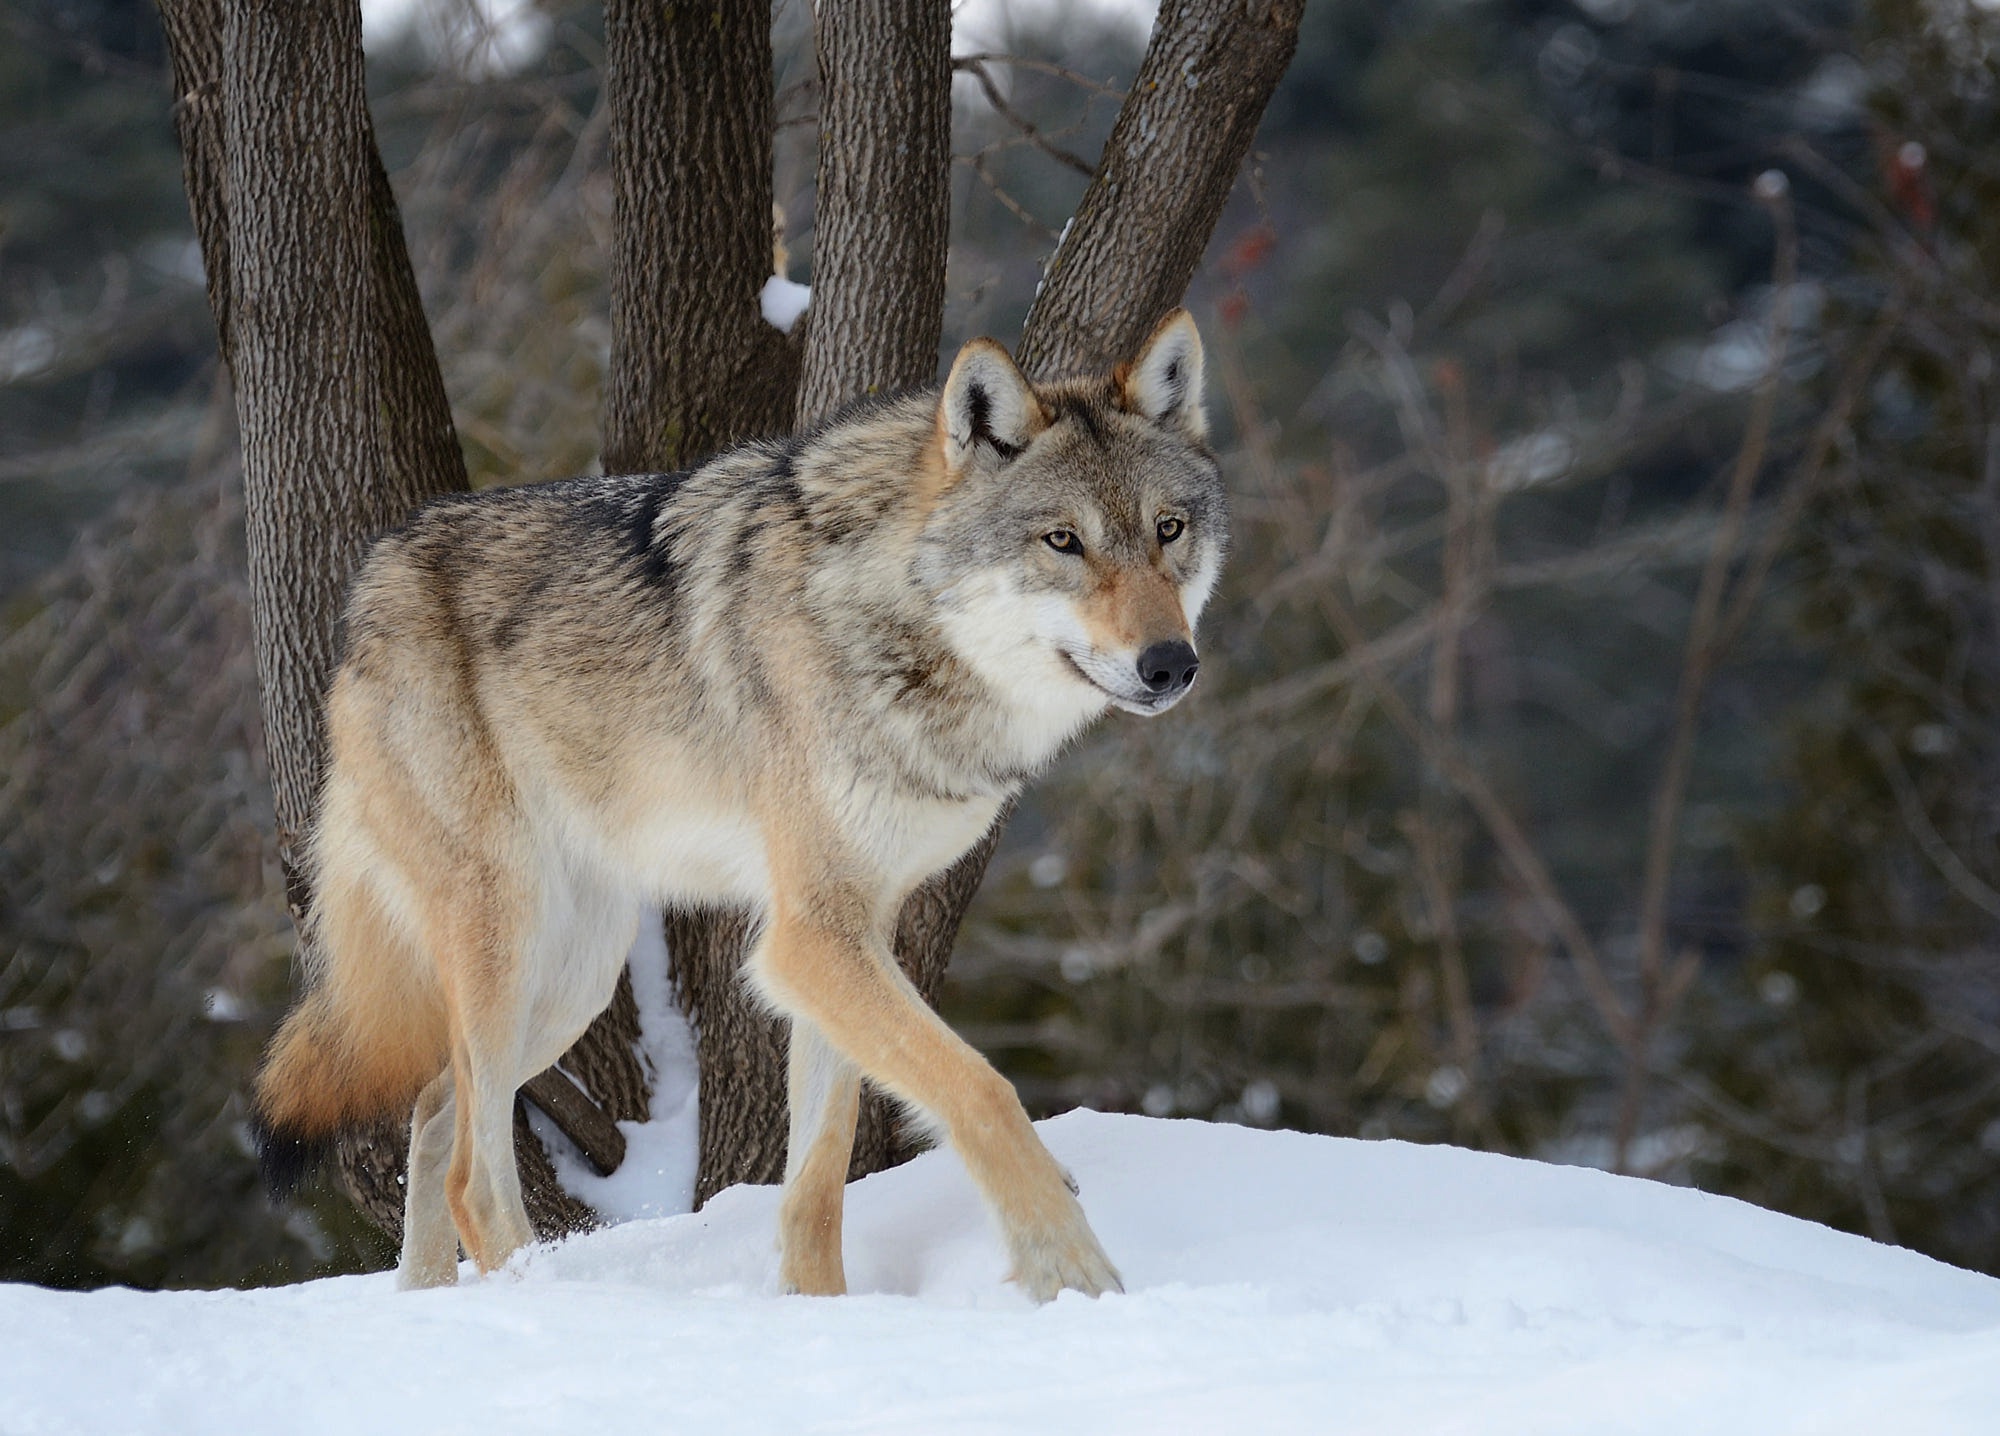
<point>1276,1282</point>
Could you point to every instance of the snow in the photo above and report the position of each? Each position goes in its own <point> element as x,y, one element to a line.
<point>656,1179</point>
<point>784,301</point>
<point>1276,1282</point>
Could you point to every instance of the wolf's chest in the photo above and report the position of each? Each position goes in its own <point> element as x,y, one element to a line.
<point>908,835</point>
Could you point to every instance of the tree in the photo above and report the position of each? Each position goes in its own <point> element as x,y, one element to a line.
<point>345,427</point>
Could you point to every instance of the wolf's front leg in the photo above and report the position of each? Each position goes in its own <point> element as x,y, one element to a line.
<point>843,979</point>
<point>825,1096</point>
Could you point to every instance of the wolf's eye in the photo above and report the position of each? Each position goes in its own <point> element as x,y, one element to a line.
<point>1063,541</point>
<point>1170,529</point>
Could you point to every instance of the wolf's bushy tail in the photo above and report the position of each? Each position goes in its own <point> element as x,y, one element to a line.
<point>329,1071</point>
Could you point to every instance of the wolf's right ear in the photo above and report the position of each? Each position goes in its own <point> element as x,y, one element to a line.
<point>987,400</point>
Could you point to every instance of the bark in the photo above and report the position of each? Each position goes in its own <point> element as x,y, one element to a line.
<point>739,1048</point>
<point>343,418</point>
<point>694,367</point>
<point>884,201</point>
<point>339,402</point>
<point>193,30</point>
<point>1180,137</point>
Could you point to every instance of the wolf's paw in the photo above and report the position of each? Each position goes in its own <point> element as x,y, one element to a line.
<point>1064,1260</point>
<point>418,1276</point>
<point>812,1279</point>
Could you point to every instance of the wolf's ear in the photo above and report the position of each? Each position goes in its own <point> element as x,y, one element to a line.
<point>1164,382</point>
<point>986,401</point>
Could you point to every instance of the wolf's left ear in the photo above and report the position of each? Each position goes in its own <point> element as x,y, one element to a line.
<point>1164,382</point>
<point>987,400</point>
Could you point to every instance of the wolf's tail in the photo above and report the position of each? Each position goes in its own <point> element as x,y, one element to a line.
<point>329,1071</point>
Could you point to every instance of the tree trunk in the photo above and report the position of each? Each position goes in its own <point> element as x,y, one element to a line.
<point>340,406</point>
<point>882,230</point>
<point>1181,135</point>
<point>874,325</point>
<point>694,367</point>
<point>339,402</point>
<point>883,214</point>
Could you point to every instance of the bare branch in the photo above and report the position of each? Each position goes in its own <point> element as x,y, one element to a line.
<point>1966,883</point>
<point>1027,127</point>
<point>1014,207</point>
<point>1700,657</point>
<point>1046,67</point>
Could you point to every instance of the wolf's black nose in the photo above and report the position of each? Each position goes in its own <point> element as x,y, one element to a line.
<point>1168,667</point>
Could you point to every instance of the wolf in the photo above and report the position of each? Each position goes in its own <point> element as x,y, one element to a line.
<point>803,677</point>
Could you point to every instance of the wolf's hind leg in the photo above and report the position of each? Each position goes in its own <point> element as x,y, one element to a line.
<point>430,1241</point>
<point>838,973</point>
<point>481,944</point>
<point>825,1092</point>
<point>483,1184</point>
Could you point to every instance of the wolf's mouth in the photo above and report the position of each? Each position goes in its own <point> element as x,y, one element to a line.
<point>1146,705</point>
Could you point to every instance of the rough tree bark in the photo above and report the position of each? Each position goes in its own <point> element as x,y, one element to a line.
<point>694,367</point>
<point>341,410</point>
<point>1167,169</point>
<point>882,214</point>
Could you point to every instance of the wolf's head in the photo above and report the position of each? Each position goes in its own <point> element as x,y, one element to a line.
<point>1080,525</point>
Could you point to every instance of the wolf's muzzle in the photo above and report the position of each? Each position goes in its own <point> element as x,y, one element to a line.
<point>1167,668</point>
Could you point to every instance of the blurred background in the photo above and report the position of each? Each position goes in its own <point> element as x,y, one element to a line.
<point>1596,758</point>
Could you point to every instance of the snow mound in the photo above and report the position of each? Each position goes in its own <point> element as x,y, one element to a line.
<point>1277,1282</point>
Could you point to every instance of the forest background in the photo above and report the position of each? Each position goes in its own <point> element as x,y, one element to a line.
<point>1596,757</point>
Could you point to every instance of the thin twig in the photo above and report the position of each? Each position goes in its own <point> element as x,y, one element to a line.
<point>1699,660</point>
<point>978,165</point>
<point>1046,67</point>
<point>1027,127</point>
<point>1809,471</point>
<point>1910,803</point>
